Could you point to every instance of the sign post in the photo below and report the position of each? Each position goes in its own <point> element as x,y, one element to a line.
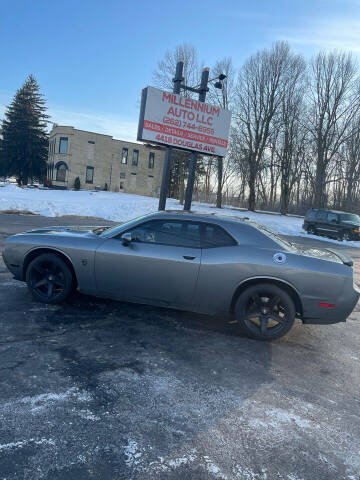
<point>184,123</point>
<point>193,159</point>
<point>167,162</point>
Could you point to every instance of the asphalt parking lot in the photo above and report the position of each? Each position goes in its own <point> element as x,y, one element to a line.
<point>96,389</point>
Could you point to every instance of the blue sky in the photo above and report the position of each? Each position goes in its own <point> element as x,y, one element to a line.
<point>92,58</point>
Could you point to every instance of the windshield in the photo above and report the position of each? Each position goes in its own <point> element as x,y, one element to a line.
<point>113,230</point>
<point>349,217</point>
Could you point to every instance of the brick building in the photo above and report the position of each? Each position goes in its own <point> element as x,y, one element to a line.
<point>102,161</point>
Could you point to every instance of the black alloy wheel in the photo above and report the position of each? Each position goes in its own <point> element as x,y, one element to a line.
<point>49,279</point>
<point>311,230</point>
<point>344,236</point>
<point>265,312</point>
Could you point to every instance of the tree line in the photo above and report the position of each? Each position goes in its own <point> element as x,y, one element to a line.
<point>295,136</point>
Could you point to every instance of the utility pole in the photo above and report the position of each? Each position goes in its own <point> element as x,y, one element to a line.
<point>201,89</point>
<point>193,158</point>
<point>167,162</point>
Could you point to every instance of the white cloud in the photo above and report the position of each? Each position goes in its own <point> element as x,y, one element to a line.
<point>326,34</point>
<point>122,129</point>
<point>118,127</point>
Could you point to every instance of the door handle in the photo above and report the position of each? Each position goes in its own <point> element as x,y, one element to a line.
<point>188,257</point>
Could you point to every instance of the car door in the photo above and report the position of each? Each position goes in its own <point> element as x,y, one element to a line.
<point>219,270</point>
<point>322,222</point>
<point>332,224</point>
<point>160,265</point>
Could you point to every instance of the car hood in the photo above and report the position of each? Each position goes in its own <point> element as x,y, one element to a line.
<point>65,231</point>
<point>328,254</point>
<point>349,224</point>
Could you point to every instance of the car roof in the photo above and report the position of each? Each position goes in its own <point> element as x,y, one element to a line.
<point>327,210</point>
<point>196,215</point>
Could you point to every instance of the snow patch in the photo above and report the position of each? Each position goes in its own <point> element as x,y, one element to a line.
<point>45,399</point>
<point>121,207</point>
<point>24,443</point>
<point>287,417</point>
<point>88,415</point>
<point>132,453</point>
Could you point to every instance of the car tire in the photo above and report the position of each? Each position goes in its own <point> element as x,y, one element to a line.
<point>344,236</point>
<point>311,230</point>
<point>265,312</point>
<point>49,279</point>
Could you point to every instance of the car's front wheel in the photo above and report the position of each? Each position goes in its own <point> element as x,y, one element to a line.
<point>49,279</point>
<point>344,236</point>
<point>311,230</point>
<point>265,311</point>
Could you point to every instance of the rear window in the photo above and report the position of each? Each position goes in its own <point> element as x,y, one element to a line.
<point>269,233</point>
<point>215,236</point>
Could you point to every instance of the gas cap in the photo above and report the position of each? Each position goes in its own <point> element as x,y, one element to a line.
<point>279,258</point>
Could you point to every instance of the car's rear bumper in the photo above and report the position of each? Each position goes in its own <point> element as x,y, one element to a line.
<point>326,313</point>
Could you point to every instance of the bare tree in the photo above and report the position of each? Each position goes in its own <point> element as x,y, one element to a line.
<point>162,77</point>
<point>164,74</point>
<point>351,155</point>
<point>291,134</point>
<point>333,104</point>
<point>261,85</point>
<point>224,98</point>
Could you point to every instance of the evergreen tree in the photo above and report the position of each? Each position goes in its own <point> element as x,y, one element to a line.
<point>24,147</point>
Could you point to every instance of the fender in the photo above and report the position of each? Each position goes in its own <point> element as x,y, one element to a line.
<point>293,290</point>
<point>43,247</point>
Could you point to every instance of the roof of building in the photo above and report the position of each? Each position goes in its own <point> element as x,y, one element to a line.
<point>109,136</point>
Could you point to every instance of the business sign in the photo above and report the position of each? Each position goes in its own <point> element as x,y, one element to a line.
<point>170,119</point>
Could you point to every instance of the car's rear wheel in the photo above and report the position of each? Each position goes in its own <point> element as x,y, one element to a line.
<point>49,279</point>
<point>265,311</point>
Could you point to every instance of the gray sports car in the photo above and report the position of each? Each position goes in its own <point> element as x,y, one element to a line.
<point>207,263</point>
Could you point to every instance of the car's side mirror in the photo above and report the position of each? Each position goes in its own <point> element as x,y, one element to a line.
<point>126,239</point>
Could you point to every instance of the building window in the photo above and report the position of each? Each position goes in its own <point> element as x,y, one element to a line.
<point>124,155</point>
<point>122,175</point>
<point>121,185</point>
<point>151,176</point>
<point>91,150</point>
<point>135,159</point>
<point>151,159</point>
<point>63,145</point>
<point>61,168</point>
<point>89,174</point>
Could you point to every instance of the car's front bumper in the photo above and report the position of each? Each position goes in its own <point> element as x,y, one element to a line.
<point>13,264</point>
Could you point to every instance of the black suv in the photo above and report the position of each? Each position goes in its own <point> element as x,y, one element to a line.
<point>331,223</point>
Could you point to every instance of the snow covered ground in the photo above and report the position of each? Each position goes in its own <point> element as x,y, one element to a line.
<point>124,206</point>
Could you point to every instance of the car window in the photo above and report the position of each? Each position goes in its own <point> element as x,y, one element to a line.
<point>311,215</point>
<point>113,231</point>
<point>168,232</point>
<point>321,216</point>
<point>215,236</point>
<point>331,217</point>
<point>349,217</point>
